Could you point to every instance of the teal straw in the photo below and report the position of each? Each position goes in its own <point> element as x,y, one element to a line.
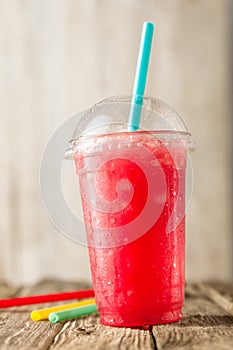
<point>72,313</point>
<point>140,76</point>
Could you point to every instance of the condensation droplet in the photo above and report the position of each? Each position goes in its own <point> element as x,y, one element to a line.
<point>129,292</point>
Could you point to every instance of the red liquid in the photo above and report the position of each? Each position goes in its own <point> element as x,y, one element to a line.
<point>139,283</point>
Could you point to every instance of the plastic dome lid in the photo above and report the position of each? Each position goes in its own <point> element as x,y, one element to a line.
<point>111,115</point>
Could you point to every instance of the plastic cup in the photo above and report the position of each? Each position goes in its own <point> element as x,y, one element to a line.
<point>133,190</point>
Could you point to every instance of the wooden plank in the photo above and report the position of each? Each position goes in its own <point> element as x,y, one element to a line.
<point>218,298</point>
<point>53,286</point>
<point>225,289</point>
<point>42,287</point>
<point>88,333</point>
<point>7,291</point>
<point>199,338</point>
<point>18,331</point>
<point>205,324</point>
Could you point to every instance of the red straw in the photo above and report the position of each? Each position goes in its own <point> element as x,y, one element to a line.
<point>46,298</point>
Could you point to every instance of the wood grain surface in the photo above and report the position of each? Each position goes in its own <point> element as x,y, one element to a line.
<point>205,324</point>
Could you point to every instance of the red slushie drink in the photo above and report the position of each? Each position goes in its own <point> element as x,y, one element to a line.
<point>133,190</point>
<point>132,186</point>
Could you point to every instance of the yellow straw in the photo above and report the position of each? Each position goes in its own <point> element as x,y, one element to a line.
<point>43,314</point>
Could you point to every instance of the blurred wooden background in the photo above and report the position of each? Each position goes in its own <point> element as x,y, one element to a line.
<point>61,56</point>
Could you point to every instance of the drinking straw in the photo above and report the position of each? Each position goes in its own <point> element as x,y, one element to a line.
<point>72,313</point>
<point>43,314</point>
<point>46,298</point>
<point>140,76</point>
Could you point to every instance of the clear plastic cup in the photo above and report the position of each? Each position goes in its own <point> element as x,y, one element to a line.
<point>133,190</point>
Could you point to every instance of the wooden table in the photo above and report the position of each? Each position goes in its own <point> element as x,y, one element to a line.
<point>207,324</point>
